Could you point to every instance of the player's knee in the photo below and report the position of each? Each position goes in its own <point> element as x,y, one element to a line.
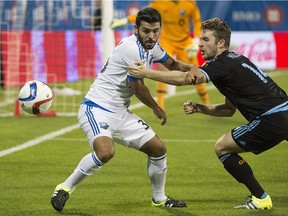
<point>162,150</point>
<point>158,151</point>
<point>222,145</point>
<point>104,149</point>
<point>105,155</point>
<point>219,148</point>
<point>154,149</point>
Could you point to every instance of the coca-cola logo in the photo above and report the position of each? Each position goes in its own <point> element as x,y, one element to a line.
<point>259,50</point>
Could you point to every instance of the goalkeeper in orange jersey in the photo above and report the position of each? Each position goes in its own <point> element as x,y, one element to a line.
<point>175,37</point>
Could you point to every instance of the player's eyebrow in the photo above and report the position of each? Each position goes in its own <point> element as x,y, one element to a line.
<point>204,38</point>
<point>150,29</point>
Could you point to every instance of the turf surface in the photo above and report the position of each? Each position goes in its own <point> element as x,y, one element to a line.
<point>121,187</point>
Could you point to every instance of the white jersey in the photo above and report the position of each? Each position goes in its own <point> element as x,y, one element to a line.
<point>111,88</point>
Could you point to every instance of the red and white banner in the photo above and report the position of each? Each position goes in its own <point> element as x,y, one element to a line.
<point>259,47</point>
<point>60,56</point>
<point>265,49</point>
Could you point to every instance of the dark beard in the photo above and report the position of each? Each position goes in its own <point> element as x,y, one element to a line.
<point>144,45</point>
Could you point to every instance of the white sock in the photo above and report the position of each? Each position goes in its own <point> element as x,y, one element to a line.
<point>157,168</point>
<point>86,167</point>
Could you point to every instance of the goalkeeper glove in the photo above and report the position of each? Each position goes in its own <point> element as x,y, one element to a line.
<point>118,22</point>
<point>193,48</point>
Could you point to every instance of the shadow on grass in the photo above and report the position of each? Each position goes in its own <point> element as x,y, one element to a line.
<point>66,212</point>
<point>178,212</point>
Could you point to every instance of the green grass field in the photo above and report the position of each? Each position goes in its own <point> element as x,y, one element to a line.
<point>195,175</point>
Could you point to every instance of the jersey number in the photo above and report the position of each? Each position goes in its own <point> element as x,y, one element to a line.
<point>143,123</point>
<point>104,67</point>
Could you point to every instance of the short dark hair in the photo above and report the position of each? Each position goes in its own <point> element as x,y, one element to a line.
<point>149,15</point>
<point>222,30</point>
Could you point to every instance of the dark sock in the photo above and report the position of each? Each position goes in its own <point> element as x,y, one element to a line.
<point>242,172</point>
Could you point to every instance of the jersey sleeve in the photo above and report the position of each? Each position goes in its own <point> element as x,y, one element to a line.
<point>159,54</point>
<point>213,70</point>
<point>130,56</point>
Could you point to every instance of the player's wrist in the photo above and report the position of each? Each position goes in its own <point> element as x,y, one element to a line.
<point>197,108</point>
<point>148,73</point>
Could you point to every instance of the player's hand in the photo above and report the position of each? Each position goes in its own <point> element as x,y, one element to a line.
<point>137,70</point>
<point>190,79</point>
<point>160,113</point>
<point>193,48</point>
<point>189,107</point>
<point>194,77</point>
<point>118,22</point>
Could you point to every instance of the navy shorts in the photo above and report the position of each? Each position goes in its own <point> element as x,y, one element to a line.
<point>262,133</point>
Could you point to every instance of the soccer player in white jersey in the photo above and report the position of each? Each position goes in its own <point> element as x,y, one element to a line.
<point>104,114</point>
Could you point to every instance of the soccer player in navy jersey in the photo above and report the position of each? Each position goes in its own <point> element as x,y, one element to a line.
<point>247,88</point>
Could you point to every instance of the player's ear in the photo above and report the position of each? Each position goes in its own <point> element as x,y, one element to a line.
<point>136,29</point>
<point>221,43</point>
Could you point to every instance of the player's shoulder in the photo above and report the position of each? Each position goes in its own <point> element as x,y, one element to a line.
<point>127,44</point>
<point>233,58</point>
<point>127,40</point>
<point>228,56</point>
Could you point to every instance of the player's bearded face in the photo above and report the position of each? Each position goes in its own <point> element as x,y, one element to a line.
<point>148,34</point>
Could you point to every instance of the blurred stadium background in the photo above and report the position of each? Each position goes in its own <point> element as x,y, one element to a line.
<point>65,42</point>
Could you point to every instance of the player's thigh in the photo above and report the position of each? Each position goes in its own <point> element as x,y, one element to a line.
<point>226,144</point>
<point>263,133</point>
<point>94,122</point>
<point>133,131</point>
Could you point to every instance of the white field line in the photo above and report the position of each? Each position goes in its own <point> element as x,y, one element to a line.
<point>38,140</point>
<point>62,131</point>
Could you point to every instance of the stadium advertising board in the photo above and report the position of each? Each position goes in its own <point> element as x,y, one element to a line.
<point>55,37</point>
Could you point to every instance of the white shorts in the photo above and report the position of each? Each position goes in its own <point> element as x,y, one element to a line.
<point>122,126</point>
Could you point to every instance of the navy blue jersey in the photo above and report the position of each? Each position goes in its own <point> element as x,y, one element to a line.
<point>248,87</point>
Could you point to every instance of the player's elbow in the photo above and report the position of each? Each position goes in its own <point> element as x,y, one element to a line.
<point>231,112</point>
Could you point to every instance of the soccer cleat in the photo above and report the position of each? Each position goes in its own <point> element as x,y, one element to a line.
<point>255,203</point>
<point>169,203</point>
<point>59,197</point>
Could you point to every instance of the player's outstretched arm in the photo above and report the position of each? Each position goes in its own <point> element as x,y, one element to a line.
<point>220,110</point>
<point>174,77</point>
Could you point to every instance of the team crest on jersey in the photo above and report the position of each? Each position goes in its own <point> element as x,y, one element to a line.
<point>104,125</point>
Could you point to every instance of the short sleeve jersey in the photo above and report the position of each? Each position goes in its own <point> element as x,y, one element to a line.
<point>111,89</point>
<point>248,87</point>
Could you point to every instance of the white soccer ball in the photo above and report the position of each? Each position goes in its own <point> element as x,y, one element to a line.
<point>35,97</point>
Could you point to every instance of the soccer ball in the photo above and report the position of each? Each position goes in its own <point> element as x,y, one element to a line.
<point>35,97</point>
